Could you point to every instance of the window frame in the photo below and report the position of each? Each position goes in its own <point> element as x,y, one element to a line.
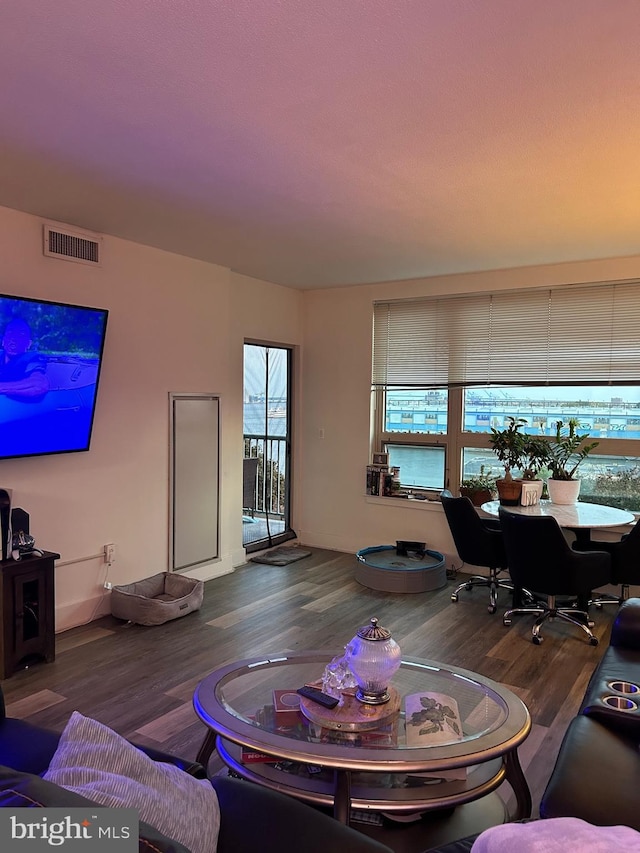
<point>465,340</point>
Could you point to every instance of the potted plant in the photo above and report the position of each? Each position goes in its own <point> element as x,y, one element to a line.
<point>479,488</point>
<point>566,453</point>
<point>536,451</point>
<point>508,445</point>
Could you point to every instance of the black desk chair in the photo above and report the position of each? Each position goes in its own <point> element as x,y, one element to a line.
<point>540,559</point>
<point>479,543</point>
<point>625,563</point>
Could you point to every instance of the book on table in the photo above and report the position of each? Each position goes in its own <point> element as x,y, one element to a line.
<point>286,705</point>
<point>433,719</point>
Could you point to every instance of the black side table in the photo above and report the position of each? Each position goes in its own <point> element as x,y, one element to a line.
<point>27,599</point>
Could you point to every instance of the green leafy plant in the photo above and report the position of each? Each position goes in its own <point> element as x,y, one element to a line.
<point>508,444</point>
<point>568,450</point>
<point>536,452</point>
<point>479,482</point>
<point>479,487</point>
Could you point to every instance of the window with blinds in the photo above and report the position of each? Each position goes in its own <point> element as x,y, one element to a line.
<point>586,334</point>
<point>446,369</point>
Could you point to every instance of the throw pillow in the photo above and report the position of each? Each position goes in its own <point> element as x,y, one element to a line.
<point>96,762</point>
<point>556,835</point>
<point>28,791</point>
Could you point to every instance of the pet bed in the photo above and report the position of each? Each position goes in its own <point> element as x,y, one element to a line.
<point>391,568</point>
<point>157,599</point>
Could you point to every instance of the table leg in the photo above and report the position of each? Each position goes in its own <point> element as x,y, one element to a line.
<point>207,748</point>
<point>582,534</point>
<point>342,795</point>
<point>515,777</point>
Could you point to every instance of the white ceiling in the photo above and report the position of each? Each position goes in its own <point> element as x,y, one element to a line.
<point>319,143</point>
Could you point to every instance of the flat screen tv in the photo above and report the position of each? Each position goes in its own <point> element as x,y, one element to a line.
<point>50,359</point>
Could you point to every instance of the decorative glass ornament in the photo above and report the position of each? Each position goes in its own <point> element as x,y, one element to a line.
<point>337,677</point>
<point>373,657</point>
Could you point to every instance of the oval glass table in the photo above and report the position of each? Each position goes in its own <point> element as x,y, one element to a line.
<point>376,768</point>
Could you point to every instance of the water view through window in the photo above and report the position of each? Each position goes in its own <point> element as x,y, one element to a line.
<point>608,414</point>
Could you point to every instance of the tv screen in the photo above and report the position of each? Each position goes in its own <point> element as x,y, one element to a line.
<point>50,358</point>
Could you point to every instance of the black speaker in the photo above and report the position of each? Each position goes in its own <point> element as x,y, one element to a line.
<point>5,522</point>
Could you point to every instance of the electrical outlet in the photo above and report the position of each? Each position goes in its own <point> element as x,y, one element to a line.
<point>108,584</point>
<point>109,553</point>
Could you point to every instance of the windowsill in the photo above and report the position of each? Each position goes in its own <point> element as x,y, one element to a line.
<point>436,506</point>
<point>411,503</point>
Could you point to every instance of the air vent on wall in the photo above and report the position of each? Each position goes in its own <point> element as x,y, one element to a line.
<point>82,247</point>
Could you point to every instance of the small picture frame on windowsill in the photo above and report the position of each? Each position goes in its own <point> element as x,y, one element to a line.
<point>380,458</point>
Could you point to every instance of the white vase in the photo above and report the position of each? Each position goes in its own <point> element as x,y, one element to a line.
<point>563,491</point>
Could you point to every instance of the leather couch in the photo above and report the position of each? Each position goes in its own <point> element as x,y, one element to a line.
<point>597,770</point>
<point>251,818</point>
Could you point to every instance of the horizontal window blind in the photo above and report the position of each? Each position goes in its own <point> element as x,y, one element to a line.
<point>582,334</point>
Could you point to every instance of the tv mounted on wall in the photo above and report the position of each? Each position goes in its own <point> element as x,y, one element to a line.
<point>50,359</point>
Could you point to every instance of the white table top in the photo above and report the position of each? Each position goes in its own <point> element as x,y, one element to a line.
<point>570,515</point>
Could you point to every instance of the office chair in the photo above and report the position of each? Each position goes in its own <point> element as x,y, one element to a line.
<point>479,543</point>
<point>625,564</point>
<point>540,558</point>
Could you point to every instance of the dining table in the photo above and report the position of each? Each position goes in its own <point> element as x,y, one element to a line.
<point>580,517</point>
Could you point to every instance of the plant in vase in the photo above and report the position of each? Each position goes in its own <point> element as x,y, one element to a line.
<point>566,453</point>
<point>479,488</point>
<point>508,445</point>
<point>536,452</point>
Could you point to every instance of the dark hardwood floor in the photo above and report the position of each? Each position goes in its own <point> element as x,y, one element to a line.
<point>140,680</point>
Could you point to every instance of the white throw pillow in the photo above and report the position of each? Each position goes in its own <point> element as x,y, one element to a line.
<point>98,763</point>
<point>556,835</point>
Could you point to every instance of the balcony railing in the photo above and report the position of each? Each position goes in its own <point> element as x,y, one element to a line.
<point>270,497</point>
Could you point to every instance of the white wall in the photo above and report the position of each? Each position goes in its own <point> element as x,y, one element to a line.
<point>175,325</point>
<point>178,325</point>
<point>336,380</point>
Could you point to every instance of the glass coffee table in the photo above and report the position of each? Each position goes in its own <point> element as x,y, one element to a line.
<point>375,768</point>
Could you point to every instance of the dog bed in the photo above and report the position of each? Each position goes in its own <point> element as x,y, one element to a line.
<point>157,599</point>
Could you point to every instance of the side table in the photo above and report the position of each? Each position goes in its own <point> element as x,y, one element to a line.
<point>27,602</point>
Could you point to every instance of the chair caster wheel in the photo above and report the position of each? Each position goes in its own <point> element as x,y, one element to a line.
<point>492,608</point>
<point>469,587</point>
<point>593,641</point>
<point>590,623</point>
<point>454,597</point>
<point>506,622</point>
<point>536,640</point>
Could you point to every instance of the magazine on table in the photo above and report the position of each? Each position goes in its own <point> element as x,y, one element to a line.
<point>433,719</point>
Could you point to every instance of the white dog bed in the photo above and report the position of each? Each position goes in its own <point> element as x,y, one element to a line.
<point>157,599</point>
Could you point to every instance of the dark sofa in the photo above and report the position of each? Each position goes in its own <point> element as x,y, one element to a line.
<point>251,817</point>
<point>597,770</point>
